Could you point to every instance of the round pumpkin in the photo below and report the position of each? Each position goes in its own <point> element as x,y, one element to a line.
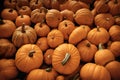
<point>24,35</point>
<point>24,10</point>
<point>46,3</point>
<point>8,70</point>
<point>7,27</point>
<point>60,77</point>
<point>35,4</point>
<point>55,4</point>
<point>10,4</point>
<point>114,69</point>
<point>91,71</point>
<point>117,20</point>
<point>28,57</point>
<point>21,3</point>
<point>87,50</point>
<point>7,49</point>
<point>65,59</point>
<point>66,27</point>
<point>42,74</point>
<point>114,32</point>
<point>100,35</point>
<point>55,38</point>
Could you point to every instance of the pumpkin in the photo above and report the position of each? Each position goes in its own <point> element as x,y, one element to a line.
<point>100,35</point>
<point>115,48</point>
<point>48,56</point>
<point>42,29</point>
<point>10,4</point>
<point>117,20</point>
<point>47,3</point>
<point>103,56</point>
<point>24,35</point>
<point>64,5</point>
<point>66,27</point>
<point>87,1</point>
<point>42,74</point>
<point>55,38</point>
<point>22,19</point>
<point>114,69</point>
<point>60,77</point>
<point>53,18</point>
<point>42,43</point>
<point>24,10</point>
<point>91,71</point>
<point>78,34</point>
<point>7,49</point>
<point>7,13</point>
<point>67,15</point>
<point>83,16</point>
<point>94,12</point>
<point>7,27</point>
<point>8,70</point>
<point>114,32</point>
<point>55,4</point>
<point>28,57</point>
<point>65,59</point>
<point>35,4</point>
<point>105,20</point>
<point>114,6</point>
<point>21,3</point>
<point>62,1</point>
<point>87,50</point>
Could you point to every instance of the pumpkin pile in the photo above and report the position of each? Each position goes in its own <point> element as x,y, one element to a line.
<point>60,40</point>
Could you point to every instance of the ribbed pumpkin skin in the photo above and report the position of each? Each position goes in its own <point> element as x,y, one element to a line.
<point>91,71</point>
<point>26,63</point>
<point>59,54</point>
<point>8,4</point>
<point>35,4</point>
<point>25,10</point>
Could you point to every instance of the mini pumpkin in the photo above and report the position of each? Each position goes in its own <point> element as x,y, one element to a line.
<point>24,10</point>
<point>21,3</point>
<point>65,59</point>
<point>7,27</point>
<point>35,4</point>
<point>55,38</point>
<point>91,71</point>
<point>28,57</point>
<point>60,77</point>
<point>7,49</point>
<point>47,3</point>
<point>55,4</point>
<point>8,70</point>
<point>10,4</point>
<point>117,20</point>
<point>24,35</point>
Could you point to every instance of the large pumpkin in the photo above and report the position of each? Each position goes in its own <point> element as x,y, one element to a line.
<point>8,70</point>
<point>66,58</point>
<point>42,74</point>
<point>28,57</point>
<point>91,71</point>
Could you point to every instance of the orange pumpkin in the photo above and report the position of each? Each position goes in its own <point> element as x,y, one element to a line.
<point>42,74</point>
<point>10,4</point>
<point>35,4</point>
<point>24,10</point>
<point>78,34</point>
<point>47,3</point>
<point>8,70</point>
<point>100,36</point>
<point>117,20</point>
<point>87,50</point>
<point>55,38</point>
<point>114,69</point>
<point>91,71</point>
<point>7,49</point>
<point>21,3</point>
<point>55,4</point>
<point>66,27</point>
<point>7,27</point>
<point>114,32</point>
<point>42,43</point>
<point>28,57</point>
<point>66,58</point>
<point>60,77</point>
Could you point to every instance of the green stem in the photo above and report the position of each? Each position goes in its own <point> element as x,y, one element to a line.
<point>66,58</point>
<point>48,69</point>
<point>76,76</point>
<point>98,29</point>
<point>100,46</point>
<point>31,53</point>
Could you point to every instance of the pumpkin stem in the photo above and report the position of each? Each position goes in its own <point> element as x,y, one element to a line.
<point>21,16</point>
<point>43,9</point>
<point>41,22</point>
<point>31,53</point>
<point>76,76</point>
<point>107,19</point>
<point>66,24</point>
<point>100,46</point>
<point>36,2</point>
<point>115,1</point>
<point>11,10</point>
<point>23,28</point>
<point>1,21</point>
<point>66,58</point>
<point>88,45</point>
<point>98,29</point>
<point>48,69</point>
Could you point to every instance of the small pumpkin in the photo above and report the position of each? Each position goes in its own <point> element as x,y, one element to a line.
<point>7,49</point>
<point>100,35</point>
<point>114,69</point>
<point>48,56</point>
<point>42,43</point>
<point>114,32</point>
<point>78,34</point>
<point>7,27</point>
<point>64,4</point>
<point>47,3</point>
<point>60,77</point>
<point>103,56</point>
<point>22,19</point>
<point>8,12</point>
<point>24,10</point>
<point>83,17</point>
<point>35,4</point>
<point>91,71</point>
<point>55,4</point>
<point>66,27</point>
<point>28,57</point>
<point>55,38</point>
<point>87,50</point>
<point>117,20</point>
<point>65,59</point>
<point>10,4</point>
<point>105,20</point>
<point>8,70</point>
<point>21,3</point>
<point>24,35</point>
